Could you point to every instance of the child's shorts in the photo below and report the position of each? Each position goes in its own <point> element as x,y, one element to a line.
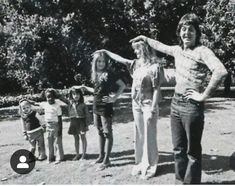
<point>103,124</point>
<point>77,125</point>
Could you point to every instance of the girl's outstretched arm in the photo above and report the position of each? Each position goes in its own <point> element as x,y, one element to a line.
<point>89,89</point>
<point>62,98</point>
<point>157,45</point>
<point>116,57</point>
<point>109,99</point>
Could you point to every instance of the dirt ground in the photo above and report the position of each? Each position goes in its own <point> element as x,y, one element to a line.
<point>218,150</point>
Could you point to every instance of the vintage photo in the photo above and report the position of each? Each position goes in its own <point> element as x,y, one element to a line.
<point>113,92</point>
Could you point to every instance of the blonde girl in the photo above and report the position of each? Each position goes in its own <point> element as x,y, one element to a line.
<point>103,81</point>
<point>146,73</point>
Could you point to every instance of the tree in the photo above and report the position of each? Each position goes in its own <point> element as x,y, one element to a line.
<point>219,32</point>
<point>52,41</point>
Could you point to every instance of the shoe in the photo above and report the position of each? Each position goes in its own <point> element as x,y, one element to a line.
<point>77,157</point>
<point>103,166</point>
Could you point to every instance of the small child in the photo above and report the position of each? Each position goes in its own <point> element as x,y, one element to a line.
<point>79,119</point>
<point>32,128</point>
<point>53,118</point>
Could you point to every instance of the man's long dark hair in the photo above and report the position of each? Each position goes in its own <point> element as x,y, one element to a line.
<point>189,19</point>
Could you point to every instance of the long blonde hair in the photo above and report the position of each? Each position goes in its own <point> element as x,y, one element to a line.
<point>94,64</point>
<point>149,54</point>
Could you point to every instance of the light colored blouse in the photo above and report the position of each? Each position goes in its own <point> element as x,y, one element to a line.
<point>146,78</point>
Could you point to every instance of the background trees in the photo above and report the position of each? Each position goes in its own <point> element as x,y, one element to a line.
<point>47,43</point>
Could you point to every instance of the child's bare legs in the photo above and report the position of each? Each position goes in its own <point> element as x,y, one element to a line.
<point>101,147</point>
<point>76,144</point>
<point>98,124</point>
<point>84,144</point>
<point>108,141</point>
<point>108,147</point>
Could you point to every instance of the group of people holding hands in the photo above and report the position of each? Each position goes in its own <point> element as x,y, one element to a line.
<point>187,108</point>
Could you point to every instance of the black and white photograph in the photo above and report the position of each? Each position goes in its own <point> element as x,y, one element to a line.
<point>117,92</point>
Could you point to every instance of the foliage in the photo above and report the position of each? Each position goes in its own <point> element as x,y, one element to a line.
<point>49,43</point>
<point>219,31</point>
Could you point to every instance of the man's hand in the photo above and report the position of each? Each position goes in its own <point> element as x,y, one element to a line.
<point>99,51</point>
<point>194,95</point>
<point>109,99</point>
<point>26,137</point>
<point>139,38</point>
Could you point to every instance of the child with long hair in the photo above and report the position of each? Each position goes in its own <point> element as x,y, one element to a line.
<point>33,128</point>
<point>146,72</point>
<point>103,81</point>
<point>79,119</point>
<point>192,60</point>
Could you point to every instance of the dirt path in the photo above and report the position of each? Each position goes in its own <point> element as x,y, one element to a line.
<point>218,151</point>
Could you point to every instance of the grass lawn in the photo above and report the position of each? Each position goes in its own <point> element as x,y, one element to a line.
<point>218,150</point>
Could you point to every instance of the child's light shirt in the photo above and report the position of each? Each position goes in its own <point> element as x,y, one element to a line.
<point>52,111</point>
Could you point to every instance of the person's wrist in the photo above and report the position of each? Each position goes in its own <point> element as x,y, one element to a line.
<point>204,96</point>
<point>146,39</point>
<point>153,111</point>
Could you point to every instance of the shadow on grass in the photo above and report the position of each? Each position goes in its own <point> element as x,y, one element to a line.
<point>211,164</point>
<point>126,155</point>
<point>232,182</point>
<point>122,153</point>
<point>232,161</point>
<point>69,157</point>
<point>214,164</point>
